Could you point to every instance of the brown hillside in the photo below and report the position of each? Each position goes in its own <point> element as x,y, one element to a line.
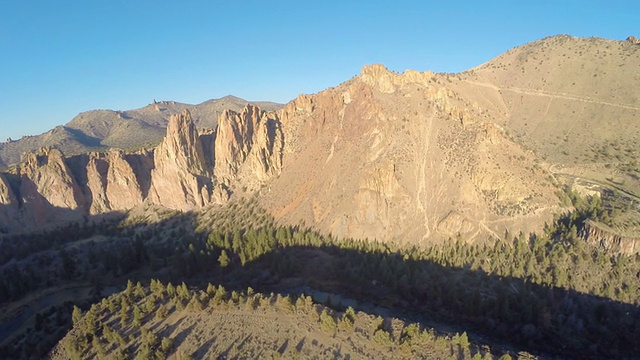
<point>406,157</point>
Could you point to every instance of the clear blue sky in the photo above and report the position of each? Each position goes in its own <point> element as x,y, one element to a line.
<point>59,58</point>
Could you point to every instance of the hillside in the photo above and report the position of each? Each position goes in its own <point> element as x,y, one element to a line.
<point>575,102</point>
<point>406,158</point>
<point>427,156</point>
<point>549,294</point>
<point>102,129</point>
<point>219,323</point>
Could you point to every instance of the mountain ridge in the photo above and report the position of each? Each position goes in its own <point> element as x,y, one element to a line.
<point>418,156</point>
<point>98,130</point>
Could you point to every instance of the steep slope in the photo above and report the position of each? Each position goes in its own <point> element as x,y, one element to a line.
<point>180,168</point>
<point>405,158</point>
<point>431,156</point>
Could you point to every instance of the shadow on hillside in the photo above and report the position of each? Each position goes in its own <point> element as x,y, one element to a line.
<point>512,311</point>
<point>84,139</point>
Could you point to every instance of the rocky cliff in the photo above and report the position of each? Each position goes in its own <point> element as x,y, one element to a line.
<point>248,146</point>
<point>8,205</point>
<point>180,173</point>
<point>406,157</point>
<point>601,235</point>
<point>180,179</point>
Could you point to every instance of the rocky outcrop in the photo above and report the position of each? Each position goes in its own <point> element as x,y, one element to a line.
<point>112,184</point>
<point>633,40</point>
<point>180,179</point>
<point>600,235</point>
<point>48,190</point>
<point>45,174</point>
<point>187,171</point>
<point>7,197</point>
<point>248,145</point>
<point>8,205</point>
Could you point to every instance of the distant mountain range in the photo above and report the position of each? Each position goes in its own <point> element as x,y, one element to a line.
<point>129,129</point>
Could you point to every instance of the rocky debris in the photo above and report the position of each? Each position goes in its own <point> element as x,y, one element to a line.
<point>180,179</point>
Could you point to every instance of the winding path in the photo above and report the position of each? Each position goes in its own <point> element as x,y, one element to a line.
<point>553,95</point>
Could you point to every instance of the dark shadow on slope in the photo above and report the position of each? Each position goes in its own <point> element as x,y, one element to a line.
<point>84,139</point>
<point>204,348</point>
<point>142,164</point>
<point>512,311</point>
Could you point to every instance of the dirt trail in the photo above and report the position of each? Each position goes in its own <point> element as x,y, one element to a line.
<point>553,95</point>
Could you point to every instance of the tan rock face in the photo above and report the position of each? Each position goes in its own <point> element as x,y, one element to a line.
<point>608,239</point>
<point>246,150</point>
<point>405,158</point>
<point>97,169</point>
<point>123,187</point>
<point>47,175</point>
<point>248,146</point>
<point>7,197</point>
<point>179,179</point>
<point>112,184</point>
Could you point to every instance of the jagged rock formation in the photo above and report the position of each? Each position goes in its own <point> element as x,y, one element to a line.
<point>46,174</point>
<point>180,168</point>
<point>8,205</point>
<point>178,174</point>
<point>112,183</point>
<point>248,144</point>
<point>97,130</point>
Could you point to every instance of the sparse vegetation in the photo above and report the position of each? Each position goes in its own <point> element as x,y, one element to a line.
<point>521,289</point>
<point>171,337</point>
